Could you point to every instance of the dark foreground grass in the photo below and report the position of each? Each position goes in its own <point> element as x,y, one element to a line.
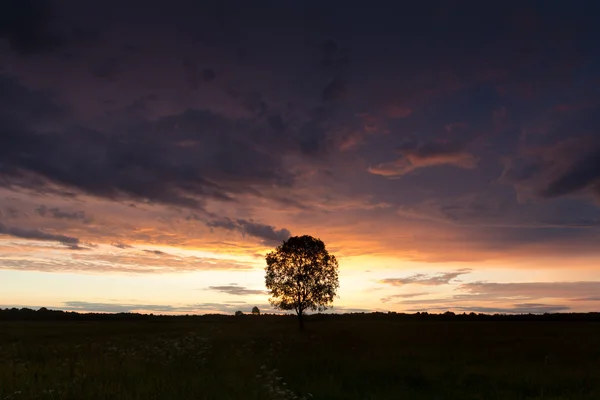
<point>266,358</point>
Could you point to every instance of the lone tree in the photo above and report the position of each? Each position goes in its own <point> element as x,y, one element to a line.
<point>255,311</point>
<point>301,275</point>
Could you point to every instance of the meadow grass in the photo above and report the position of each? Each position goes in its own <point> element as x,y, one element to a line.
<point>267,358</point>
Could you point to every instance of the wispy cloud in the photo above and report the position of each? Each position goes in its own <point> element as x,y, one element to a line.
<point>403,296</point>
<point>124,308</point>
<point>530,290</point>
<point>236,290</point>
<point>96,261</point>
<point>198,308</point>
<point>493,297</point>
<point>430,154</point>
<point>442,278</point>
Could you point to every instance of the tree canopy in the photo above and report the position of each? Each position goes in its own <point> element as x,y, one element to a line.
<point>301,275</point>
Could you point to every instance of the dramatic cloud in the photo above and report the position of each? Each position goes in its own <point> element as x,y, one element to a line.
<point>36,234</point>
<point>499,209</point>
<point>182,165</point>
<point>581,175</point>
<point>202,135</point>
<point>430,154</point>
<point>236,290</point>
<point>549,164</point>
<point>267,233</point>
<point>442,278</point>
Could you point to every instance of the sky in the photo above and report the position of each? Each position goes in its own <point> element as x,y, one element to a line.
<point>446,152</point>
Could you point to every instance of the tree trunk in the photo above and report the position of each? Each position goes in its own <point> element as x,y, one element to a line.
<point>300,320</point>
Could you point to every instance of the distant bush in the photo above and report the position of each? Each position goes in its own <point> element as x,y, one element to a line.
<point>255,311</point>
<point>238,313</point>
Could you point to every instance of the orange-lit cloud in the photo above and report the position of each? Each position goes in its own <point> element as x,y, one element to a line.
<point>415,155</point>
<point>141,151</point>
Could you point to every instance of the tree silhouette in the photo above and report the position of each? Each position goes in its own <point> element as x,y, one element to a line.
<point>238,313</point>
<point>255,311</point>
<point>301,275</point>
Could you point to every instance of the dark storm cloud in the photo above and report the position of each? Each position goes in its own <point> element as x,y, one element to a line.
<point>269,234</point>
<point>208,75</point>
<point>557,157</point>
<point>19,103</point>
<point>255,104</point>
<point>191,73</point>
<point>55,212</point>
<point>236,290</point>
<point>304,75</point>
<point>27,25</point>
<point>36,234</point>
<point>498,208</point>
<point>177,160</point>
<point>584,173</point>
<point>108,68</point>
<point>194,75</point>
<point>442,278</point>
<point>335,90</point>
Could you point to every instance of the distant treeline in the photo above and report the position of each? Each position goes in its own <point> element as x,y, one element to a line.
<point>44,314</point>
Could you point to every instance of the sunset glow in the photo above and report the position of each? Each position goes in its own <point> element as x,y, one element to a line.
<point>151,156</point>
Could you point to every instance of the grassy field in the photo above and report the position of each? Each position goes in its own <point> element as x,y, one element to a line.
<point>267,358</point>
